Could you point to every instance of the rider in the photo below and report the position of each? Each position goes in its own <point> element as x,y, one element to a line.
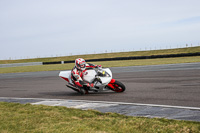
<point>77,72</point>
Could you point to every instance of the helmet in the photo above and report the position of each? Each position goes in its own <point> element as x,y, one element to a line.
<point>80,64</point>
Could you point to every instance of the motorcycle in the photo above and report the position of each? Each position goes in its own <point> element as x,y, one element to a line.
<point>100,77</point>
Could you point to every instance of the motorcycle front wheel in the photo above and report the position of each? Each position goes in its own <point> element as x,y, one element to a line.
<point>117,86</point>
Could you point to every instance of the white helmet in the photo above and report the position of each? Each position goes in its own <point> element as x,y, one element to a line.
<point>80,64</point>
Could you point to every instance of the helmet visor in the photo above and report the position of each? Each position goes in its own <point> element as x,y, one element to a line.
<point>82,65</point>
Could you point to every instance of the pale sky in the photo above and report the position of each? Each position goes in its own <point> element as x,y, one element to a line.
<point>45,28</point>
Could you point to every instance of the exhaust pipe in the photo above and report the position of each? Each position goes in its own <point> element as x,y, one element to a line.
<point>73,88</point>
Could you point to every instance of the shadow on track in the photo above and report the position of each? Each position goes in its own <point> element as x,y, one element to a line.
<point>76,94</point>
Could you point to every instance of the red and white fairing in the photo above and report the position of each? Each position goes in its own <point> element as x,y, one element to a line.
<point>66,75</point>
<point>88,76</point>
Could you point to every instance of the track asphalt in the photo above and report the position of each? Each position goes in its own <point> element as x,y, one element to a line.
<point>169,91</point>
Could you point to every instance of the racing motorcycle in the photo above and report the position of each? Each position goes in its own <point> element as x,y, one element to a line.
<point>100,77</point>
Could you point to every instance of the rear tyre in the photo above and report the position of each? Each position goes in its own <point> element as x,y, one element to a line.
<point>118,86</point>
<point>82,91</point>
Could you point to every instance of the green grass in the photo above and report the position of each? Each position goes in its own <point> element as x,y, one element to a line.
<point>104,64</point>
<point>108,55</point>
<point>20,118</point>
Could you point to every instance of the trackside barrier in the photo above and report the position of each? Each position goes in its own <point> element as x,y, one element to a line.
<point>130,58</point>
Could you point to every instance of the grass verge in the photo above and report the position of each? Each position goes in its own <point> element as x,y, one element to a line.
<point>103,63</point>
<point>15,117</point>
<point>108,55</point>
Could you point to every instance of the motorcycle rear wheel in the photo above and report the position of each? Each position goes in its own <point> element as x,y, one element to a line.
<point>82,91</point>
<point>118,87</point>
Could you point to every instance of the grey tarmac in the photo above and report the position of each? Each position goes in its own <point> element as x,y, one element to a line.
<point>173,85</point>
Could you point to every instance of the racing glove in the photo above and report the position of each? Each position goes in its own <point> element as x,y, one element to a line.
<point>97,66</point>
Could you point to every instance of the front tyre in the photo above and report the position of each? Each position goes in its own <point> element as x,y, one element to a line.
<point>117,86</point>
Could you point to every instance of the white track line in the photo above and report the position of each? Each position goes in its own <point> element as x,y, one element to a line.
<point>107,102</point>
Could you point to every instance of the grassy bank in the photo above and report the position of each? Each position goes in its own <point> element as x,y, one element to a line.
<point>104,64</point>
<point>21,118</point>
<point>108,55</point>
